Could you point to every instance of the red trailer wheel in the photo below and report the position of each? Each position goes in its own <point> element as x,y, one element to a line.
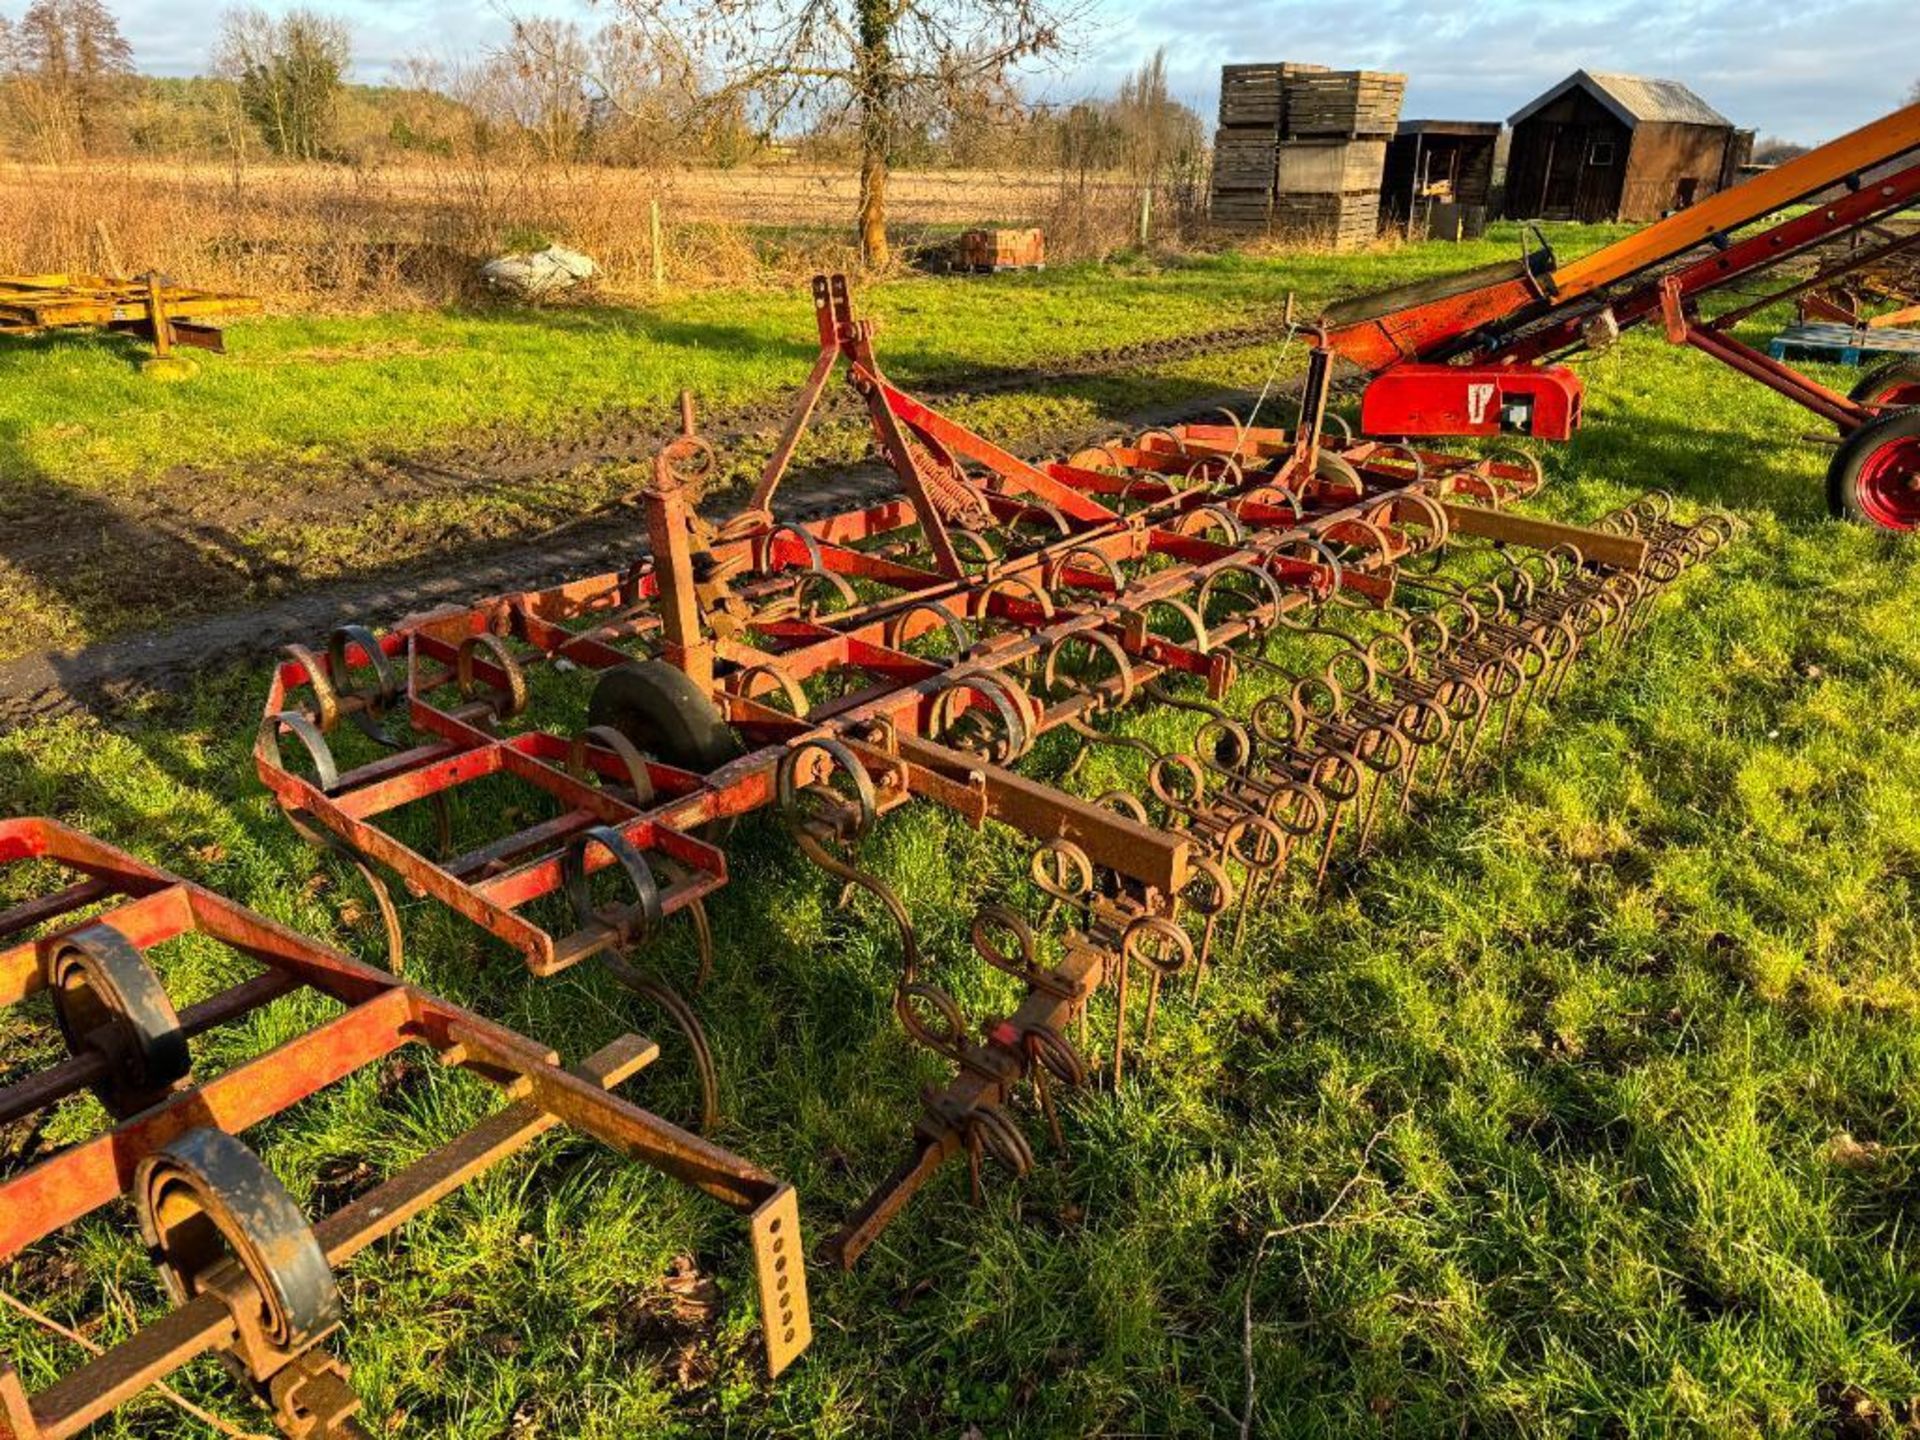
<point>1875,477</point>
<point>1894,384</point>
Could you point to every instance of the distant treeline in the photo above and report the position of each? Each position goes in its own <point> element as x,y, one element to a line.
<point>277,87</point>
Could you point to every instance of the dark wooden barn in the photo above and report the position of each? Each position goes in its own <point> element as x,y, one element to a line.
<point>1616,147</point>
<point>1445,162</point>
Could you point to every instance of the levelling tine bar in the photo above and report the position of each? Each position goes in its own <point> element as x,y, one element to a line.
<point>172,1149</point>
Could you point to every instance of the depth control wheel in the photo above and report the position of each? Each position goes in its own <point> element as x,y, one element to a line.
<point>1892,383</point>
<point>107,999</point>
<point>664,714</point>
<point>205,1199</point>
<point>1875,475</point>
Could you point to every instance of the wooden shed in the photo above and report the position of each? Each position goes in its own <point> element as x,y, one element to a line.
<point>1615,147</point>
<point>1447,162</point>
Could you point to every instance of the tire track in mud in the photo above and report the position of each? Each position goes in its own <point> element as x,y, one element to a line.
<point>116,671</point>
<point>475,470</point>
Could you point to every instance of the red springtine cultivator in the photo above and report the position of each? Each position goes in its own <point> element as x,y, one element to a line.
<point>251,1279</point>
<point>1336,628</point>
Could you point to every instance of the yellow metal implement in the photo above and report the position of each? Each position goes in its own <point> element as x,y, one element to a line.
<point>150,306</point>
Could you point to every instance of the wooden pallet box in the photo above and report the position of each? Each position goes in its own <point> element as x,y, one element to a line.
<point>1329,167</point>
<point>1344,222</point>
<point>1349,103</point>
<point>1256,94</point>
<point>1247,212</point>
<point>1243,159</point>
<point>1003,250</point>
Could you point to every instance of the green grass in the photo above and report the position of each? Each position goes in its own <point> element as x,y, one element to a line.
<point>1604,1021</point>
<point>127,504</point>
<point>75,408</point>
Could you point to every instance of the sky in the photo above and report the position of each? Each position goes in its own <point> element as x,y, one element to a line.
<point>1802,69</point>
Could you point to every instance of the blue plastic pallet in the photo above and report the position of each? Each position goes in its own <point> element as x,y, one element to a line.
<point>1842,344</point>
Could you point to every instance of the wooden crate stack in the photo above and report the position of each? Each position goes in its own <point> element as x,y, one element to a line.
<point>1345,103</point>
<point>1252,120</point>
<point>994,250</point>
<point>1300,150</point>
<point>1328,171</point>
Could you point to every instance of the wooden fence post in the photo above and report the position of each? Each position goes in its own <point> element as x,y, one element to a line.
<point>659,260</point>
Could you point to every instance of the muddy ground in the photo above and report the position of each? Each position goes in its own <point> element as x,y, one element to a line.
<point>184,545</point>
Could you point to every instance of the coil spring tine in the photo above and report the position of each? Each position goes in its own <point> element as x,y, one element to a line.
<point>323,839</point>
<point>1334,814</point>
<point>687,1022</point>
<point>1370,804</point>
<point>1043,1089</point>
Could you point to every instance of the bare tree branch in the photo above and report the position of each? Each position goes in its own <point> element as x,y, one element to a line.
<point>1325,1220</point>
<point>795,62</point>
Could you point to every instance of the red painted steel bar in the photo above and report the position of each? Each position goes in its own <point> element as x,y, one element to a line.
<point>115,915</point>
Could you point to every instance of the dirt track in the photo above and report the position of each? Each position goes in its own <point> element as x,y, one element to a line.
<point>177,549</point>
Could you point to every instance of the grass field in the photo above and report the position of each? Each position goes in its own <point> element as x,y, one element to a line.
<point>319,447</point>
<point>1587,1107</point>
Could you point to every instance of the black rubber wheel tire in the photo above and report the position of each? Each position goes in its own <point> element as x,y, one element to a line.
<point>1863,480</point>
<point>204,1197</point>
<point>665,715</point>
<point>1898,378</point>
<point>101,982</point>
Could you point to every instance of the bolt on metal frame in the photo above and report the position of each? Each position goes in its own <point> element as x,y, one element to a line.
<point>251,1279</point>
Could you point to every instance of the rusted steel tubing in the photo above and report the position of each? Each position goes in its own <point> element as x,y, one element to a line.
<point>123,1015</point>
<point>78,1072</point>
<point>923,646</point>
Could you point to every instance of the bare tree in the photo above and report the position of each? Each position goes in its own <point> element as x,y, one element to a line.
<point>870,61</point>
<point>72,58</point>
<point>539,83</point>
<point>289,73</point>
<point>1157,131</point>
<point>648,103</point>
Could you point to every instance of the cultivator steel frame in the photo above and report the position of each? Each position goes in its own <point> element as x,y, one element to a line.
<point>926,646</point>
<point>251,1279</point>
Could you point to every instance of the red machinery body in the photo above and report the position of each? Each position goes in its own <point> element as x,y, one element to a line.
<point>1485,400</point>
<point>1476,354</point>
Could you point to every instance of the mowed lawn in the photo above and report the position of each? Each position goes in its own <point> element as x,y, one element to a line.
<point>1586,1106</point>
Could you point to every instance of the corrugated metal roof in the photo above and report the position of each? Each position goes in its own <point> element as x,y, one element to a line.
<point>1634,98</point>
